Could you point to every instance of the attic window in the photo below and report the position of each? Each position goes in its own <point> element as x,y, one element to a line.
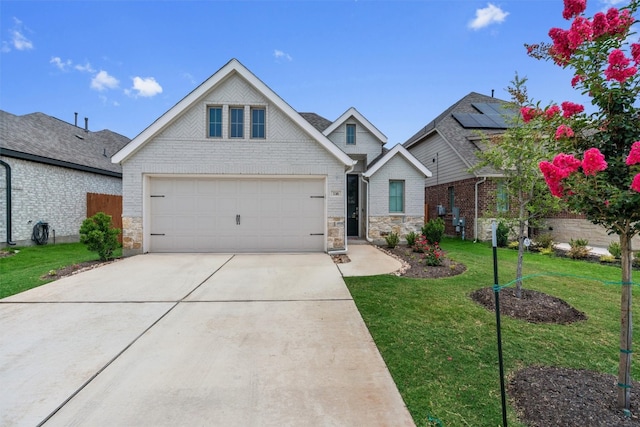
<point>215,122</point>
<point>351,134</point>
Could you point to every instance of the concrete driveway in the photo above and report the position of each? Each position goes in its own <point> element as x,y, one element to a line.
<point>194,339</point>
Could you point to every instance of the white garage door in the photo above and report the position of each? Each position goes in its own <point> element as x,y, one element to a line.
<point>236,215</point>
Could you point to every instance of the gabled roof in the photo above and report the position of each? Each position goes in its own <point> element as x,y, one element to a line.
<point>232,67</point>
<point>397,150</point>
<point>460,125</point>
<point>317,121</point>
<point>44,139</point>
<point>352,112</point>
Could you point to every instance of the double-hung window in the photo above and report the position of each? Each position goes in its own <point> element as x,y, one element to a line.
<point>351,134</point>
<point>215,122</point>
<point>396,196</point>
<point>236,122</point>
<point>502,197</point>
<point>258,123</point>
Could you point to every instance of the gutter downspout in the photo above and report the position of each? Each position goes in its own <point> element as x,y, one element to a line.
<point>346,249</point>
<point>7,168</point>
<point>475,222</point>
<point>366,232</point>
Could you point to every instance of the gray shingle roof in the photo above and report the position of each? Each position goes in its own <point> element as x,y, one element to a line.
<point>40,137</point>
<point>461,138</point>
<point>317,121</point>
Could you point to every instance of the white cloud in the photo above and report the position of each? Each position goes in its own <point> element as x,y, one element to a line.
<point>189,77</point>
<point>103,81</point>
<point>58,62</point>
<point>278,54</point>
<point>146,87</point>
<point>18,40</point>
<point>491,14</point>
<point>85,68</point>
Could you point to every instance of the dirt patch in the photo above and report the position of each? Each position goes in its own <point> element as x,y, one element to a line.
<point>550,396</point>
<point>534,306</point>
<point>70,270</point>
<point>340,259</point>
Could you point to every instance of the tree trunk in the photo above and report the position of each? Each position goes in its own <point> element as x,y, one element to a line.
<point>626,325</point>
<point>521,237</point>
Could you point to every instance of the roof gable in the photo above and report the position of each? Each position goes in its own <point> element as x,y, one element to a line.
<point>352,112</point>
<point>397,150</point>
<point>231,68</point>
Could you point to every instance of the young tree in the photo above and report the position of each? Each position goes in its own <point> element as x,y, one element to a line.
<point>516,154</point>
<point>597,171</point>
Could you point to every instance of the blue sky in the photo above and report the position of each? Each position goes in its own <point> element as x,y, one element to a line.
<point>122,64</point>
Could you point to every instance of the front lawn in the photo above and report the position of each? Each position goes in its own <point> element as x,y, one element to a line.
<point>25,268</point>
<point>441,348</point>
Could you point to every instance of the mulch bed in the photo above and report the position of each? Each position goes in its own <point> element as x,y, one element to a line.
<point>414,267</point>
<point>533,306</point>
<point>550,396</point>
<point>70,270</point>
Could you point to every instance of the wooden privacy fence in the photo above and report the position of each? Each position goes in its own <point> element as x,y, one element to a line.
<point>110,205</point>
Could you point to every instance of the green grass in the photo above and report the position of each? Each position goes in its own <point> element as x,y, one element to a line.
<point>441,347</point>
<point>22,271</point>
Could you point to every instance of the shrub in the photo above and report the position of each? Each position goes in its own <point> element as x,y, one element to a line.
<point>502,235</point>
<point>433,230</point>
<point>98,235</point>
<point>513,245</point>
<point>411,238</point>
<point>607,258</point>
<point>615,250</point>
<point>544,240</point>
<point>392,240</point>
<point>432,254</point>
<point>546,251</point>
<point>578,249</point>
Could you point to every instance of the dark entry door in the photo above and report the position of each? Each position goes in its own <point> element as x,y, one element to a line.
<point>352,205</point>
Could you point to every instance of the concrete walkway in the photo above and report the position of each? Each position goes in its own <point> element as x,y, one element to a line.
<point>367,260</point>
<point>194,339</point>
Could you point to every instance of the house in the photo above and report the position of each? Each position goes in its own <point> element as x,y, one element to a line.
<point>468,200</point>
<point>48,168</point>
<point>233,168</point>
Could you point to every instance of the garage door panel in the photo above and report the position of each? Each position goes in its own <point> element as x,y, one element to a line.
<point>200,215</point>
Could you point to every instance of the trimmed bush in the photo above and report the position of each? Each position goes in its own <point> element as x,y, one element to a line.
<point>96,232</point>
<point>433,230</point>
<point>615,250</point>
<point>502,235</point>
<point>392,240</point>
<point>411,238</point>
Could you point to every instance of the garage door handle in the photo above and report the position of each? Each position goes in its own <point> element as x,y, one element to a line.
<point>237,219</point>
<point>316,234</point>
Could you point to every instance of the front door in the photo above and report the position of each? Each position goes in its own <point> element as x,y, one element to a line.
<point>352,205</point>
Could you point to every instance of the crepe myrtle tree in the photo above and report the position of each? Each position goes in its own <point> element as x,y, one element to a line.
<point>596,170</point>
<point>516,154</point>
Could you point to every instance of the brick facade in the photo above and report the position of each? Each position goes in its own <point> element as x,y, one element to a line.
<point>52,194</point>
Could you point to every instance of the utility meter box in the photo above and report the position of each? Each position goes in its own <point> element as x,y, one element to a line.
<point>456,215</point>
<point>442,211</point>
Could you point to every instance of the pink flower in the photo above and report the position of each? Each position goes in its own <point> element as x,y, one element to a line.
<point>634,155</point>
<point>552,176</point>
<point>528,113</point>
<point>635,184</point>
<point>566,163</point>
<point>619,23</point>
<point>635,52</point>
<point>564,131</point>
<point>578,78</point>
<point>600,25</point>
<point>593,161</point>
<point>618,68</point>
<point>560,50</point>
<point>573,8</point>
<point>580,32</point>
<point>551,112</point>
<point>570,109</point>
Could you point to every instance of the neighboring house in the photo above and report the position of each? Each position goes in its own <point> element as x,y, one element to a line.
<point>233,168</point>
<point>47,167</point>
<point>449,145</point>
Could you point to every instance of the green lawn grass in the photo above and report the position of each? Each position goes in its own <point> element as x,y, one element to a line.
<point>22,271</point>
<point>441,347</point>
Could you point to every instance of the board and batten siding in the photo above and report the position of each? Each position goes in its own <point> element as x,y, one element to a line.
<point>448,166</point>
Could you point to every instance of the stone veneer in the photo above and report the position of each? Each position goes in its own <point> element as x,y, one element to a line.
<point>131,235</point>
<point>381,226</point>
<point>335,233</point>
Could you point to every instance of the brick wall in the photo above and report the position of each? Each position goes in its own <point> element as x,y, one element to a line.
<point>50,193</point>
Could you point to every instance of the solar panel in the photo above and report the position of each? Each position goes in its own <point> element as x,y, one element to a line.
<point>491,116</point>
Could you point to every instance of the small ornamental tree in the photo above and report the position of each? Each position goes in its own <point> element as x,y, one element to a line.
<point>516,154</point>
<point>597,168</point>
<point>96,232</point>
